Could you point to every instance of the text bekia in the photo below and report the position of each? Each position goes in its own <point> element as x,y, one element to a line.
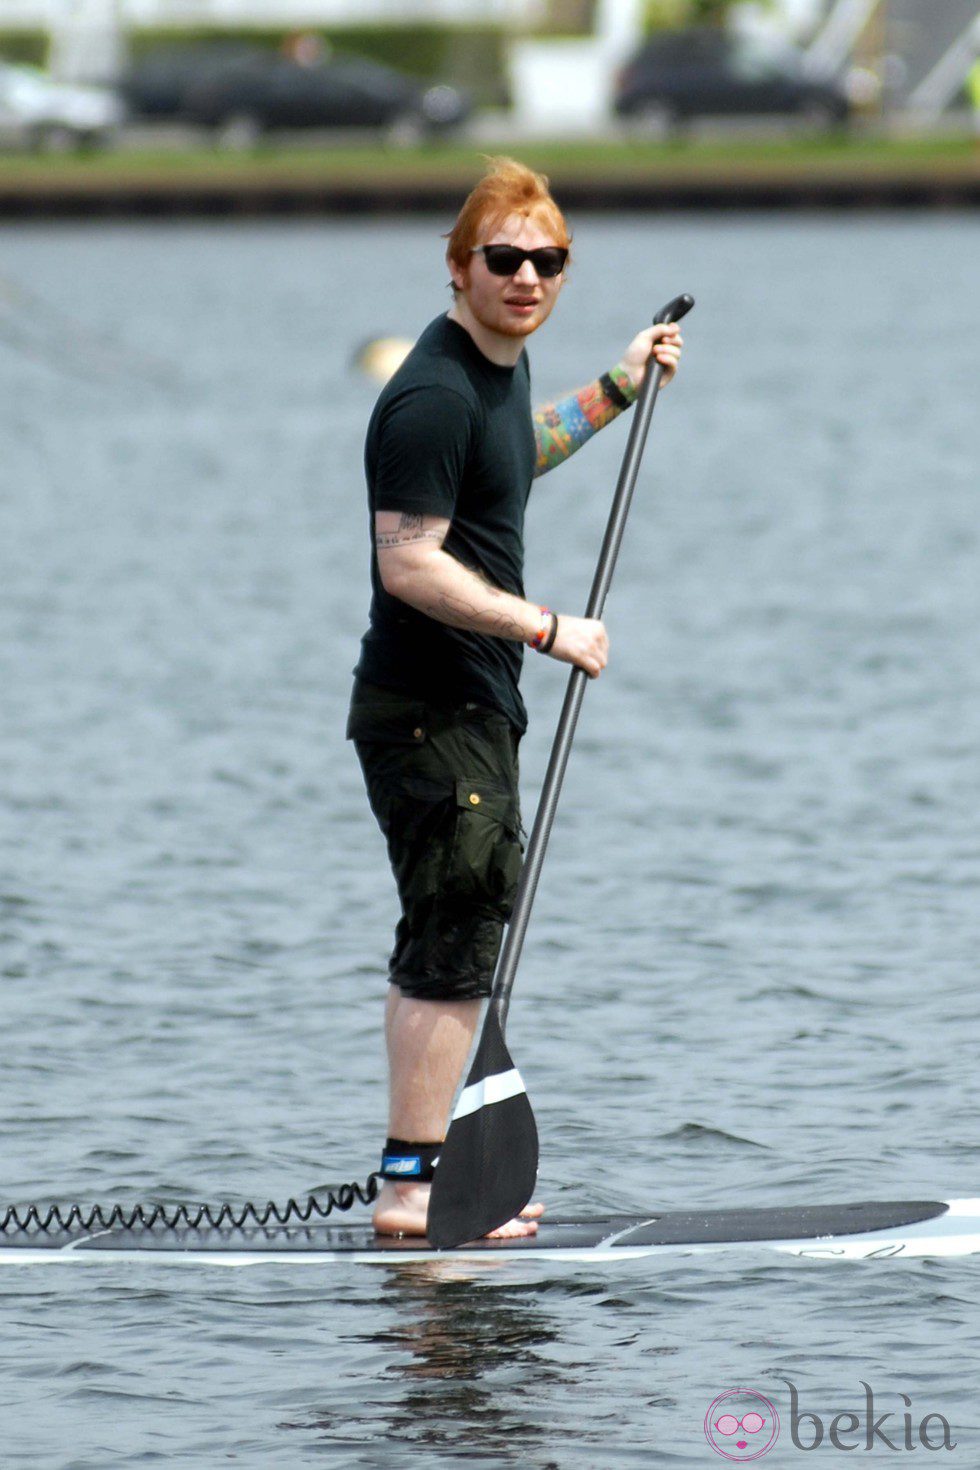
<point>893,1430</point>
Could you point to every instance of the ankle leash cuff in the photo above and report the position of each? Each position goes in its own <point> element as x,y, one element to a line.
<point>401,1159</point>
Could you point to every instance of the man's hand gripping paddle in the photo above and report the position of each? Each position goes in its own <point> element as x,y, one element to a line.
<point>488,1165</point>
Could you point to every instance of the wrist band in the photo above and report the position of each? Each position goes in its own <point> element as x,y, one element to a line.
<point>544,627</point>
<point>614,392</point>
<point>549,642</point>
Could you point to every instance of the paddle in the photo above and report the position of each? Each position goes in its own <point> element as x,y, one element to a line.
<point>488,1165</point>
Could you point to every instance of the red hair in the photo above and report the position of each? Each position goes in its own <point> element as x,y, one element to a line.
<point>507,188</point>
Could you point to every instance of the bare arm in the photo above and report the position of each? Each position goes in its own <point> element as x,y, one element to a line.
<point>415,569</point>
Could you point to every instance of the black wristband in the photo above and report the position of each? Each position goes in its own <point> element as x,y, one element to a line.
<point>549,642</point>
<point>613,392</point>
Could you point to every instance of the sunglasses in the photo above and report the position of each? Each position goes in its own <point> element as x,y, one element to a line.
<point>506,260</point>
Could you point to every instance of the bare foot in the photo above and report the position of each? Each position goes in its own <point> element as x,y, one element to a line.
<point>526,1223</point>
<point>402,1209</point>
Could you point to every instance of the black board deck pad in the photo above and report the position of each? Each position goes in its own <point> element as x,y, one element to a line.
<point>675,1228</point>
<point>792,1222</point>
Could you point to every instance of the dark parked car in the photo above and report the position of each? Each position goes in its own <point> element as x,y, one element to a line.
<point>155,85</point>
<point>241,93</point>
<point>679,75</point>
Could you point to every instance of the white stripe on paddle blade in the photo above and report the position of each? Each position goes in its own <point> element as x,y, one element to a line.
<point>493,1089</point>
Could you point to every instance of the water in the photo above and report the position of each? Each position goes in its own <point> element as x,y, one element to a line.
<point>750,976</point>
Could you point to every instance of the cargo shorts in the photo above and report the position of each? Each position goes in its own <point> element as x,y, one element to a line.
<point>442,782</point>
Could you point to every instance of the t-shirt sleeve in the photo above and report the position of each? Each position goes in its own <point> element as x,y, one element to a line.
<point>423,443</point>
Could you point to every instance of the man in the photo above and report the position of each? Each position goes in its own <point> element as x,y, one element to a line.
<point>436,714</point>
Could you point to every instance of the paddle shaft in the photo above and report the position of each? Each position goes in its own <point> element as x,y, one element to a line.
<point>517,928</point>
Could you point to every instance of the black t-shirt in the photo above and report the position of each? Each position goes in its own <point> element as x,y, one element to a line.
<point>451,435</point>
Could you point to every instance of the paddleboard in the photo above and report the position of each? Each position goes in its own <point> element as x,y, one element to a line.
<point>865,1231</point>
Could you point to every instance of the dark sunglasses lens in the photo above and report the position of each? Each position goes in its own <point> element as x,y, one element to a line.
<point>506,260</point>
<point>503,260</point>
<point>549,262</point>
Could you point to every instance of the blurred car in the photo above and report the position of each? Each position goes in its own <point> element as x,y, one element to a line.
<point>154,87</point>
<point>241,94</point>
<point>40,113</point>
<point>680,75</point>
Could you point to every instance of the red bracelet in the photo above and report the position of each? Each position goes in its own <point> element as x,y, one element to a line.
<point>544,639</point>
<point>544,628</point>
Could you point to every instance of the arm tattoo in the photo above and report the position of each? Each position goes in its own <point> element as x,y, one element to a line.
<point>456,611</point>
<point>385,540</point>
<point>409,533</point>
<point>561,428</point>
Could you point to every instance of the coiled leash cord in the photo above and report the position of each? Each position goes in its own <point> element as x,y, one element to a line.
<point>177,1217</point>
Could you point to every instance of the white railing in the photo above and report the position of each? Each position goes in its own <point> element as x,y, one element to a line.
<point>937,90</point>
<point>835,40</point>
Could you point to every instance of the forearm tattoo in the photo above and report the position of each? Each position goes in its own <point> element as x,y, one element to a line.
<point>450,606</point>
<point>459,613</point>
<point>409,532</point>
<point>561,428</point>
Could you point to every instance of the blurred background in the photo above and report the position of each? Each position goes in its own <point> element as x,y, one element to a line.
<point>416,78</point>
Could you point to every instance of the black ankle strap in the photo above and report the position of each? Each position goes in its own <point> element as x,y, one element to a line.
<point>401,1159</point>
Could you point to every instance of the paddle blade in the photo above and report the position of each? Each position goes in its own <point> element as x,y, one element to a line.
<point>488,1165</point>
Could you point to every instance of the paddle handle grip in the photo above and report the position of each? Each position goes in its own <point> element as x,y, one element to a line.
<point>674,310</point>
<point>550,791</point>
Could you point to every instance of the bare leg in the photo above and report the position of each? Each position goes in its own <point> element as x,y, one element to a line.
<point>428,1042</point>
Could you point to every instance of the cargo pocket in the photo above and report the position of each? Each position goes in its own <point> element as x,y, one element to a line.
<point>391,737</point>
<point>485,860</point>
<point>416,816</point>
<point>388,722</point>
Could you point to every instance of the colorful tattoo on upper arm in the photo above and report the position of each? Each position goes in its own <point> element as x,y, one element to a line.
<point>561,428</point>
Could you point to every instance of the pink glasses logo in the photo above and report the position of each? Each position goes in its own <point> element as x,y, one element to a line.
<point>741,1425</point>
